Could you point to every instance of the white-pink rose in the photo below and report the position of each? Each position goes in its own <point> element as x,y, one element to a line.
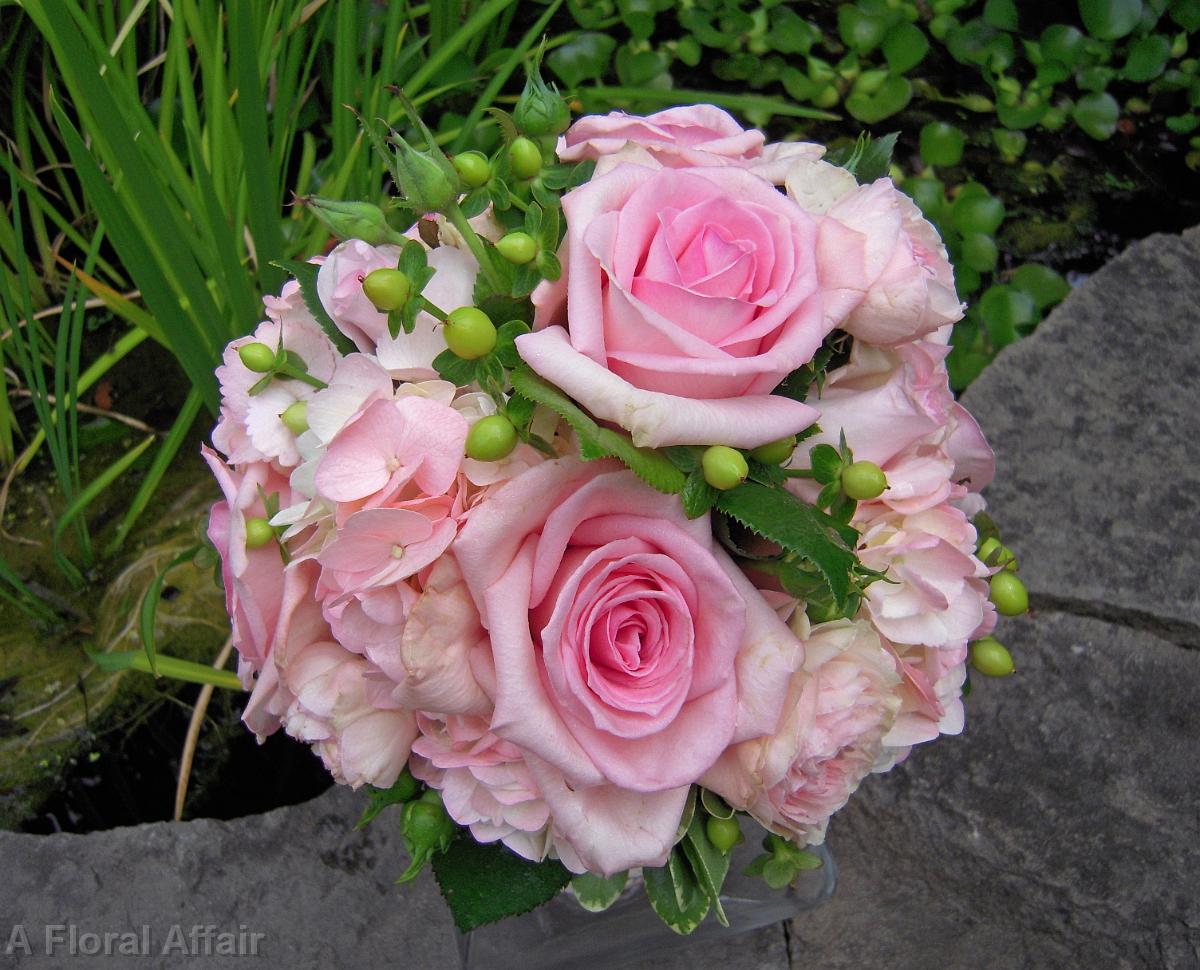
<point>688,295</point>
<point>904,286</point>
<point>697,134</point>
<point>840,705</point>
<point>629,651</point>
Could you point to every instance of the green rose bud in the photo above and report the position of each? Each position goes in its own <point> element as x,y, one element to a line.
<point>540,110</point>
<point>257,357</point>
<point>258,533</point>
<point>387,289</point>
<point>723,467</point>
<point>863,481</point>
<point>525,158</point>
<point>775,452</point>
<point>991,658</point>
<point>518,247</point>
<point>1009,594</point>
<point>491,438</point>
<point>723,833</point>
<point>469,332</point>
<point>354,220</point>
<point>427,180</point>
<point>295,418</point>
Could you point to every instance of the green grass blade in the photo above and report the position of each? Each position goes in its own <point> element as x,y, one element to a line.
<point>171,667</point>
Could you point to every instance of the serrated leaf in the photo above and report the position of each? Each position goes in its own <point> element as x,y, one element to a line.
<point>306,275</point>
<point>826,463</point>
<point>597,893</point>
<point>508,127</point>
<point>766,474</point>
<point>829,495</point>
<point>475,202</point>
<point>675,895</point>
<point>519,410</point>
<point>876,157</point>
<point>709,865</point>
<point>483,883</point>
<point>684,457</point>
<point>779,516</point>
<point>698,496</point>
<point>649,465</point>
<point>413,259</point>
<point>452,368</point>
<point>506,348</point>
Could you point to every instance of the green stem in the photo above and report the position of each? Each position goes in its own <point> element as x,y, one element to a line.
<point>433,311</point>
<point>517,202</point>
<point>287,370</point>
<point>475,244</point>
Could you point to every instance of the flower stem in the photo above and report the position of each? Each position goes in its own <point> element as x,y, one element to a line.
<point>455,214</point>
<point>433,311</point>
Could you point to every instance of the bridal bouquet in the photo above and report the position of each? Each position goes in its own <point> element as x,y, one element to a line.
<point>606,496</point>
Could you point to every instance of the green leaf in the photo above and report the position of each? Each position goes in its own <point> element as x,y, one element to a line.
<point>1147,58</point>
<point>892,97</point>
<point>597,893</point>
<point>684,457</point>
<point>506,349</point>
<point>709,864</point>
<point>452,368</point>
<point>649,465</point>
<point>584,57</point>
<point>1044,285</point>
<point>1001,14</point>
<point>1110,19</point>
<point>714,804</point>
<point>905,46</point>
<point>306,275</point>
<point>698,496</point>
<point>1097,115</point>
<point>485,882</point>
<point>172,668</point>
<point>779,516</point>
<point>675,894</point>
<point>1005,309</point>
<point>826,463</point>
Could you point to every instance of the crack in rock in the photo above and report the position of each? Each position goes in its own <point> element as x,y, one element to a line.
<point>1181,633</point>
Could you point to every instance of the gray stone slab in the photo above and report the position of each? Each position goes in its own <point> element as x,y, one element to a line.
<point>321,895</point>
<point>1061,829</point>
<point>1097,436</point>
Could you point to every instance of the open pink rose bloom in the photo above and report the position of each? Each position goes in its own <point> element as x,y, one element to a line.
<point>566,632</point>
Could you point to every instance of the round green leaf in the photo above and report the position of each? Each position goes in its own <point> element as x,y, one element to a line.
<point>1063,43</point>
<point>1009,143</point>
<point>1147,58</point>
<point>892,97</point>
<point>928,195</point>
<point>1097,115</point>
<point>1019,116</point>
<point>1044,285</point>
<point>583,57</point>
<point>791,33</point>
<point>979,252</point>
<point>860,31</point>
<point>977,212</point>
<point>1110,19</point>
<point>1186,13</point>
<point>1001,14</point>
<point>942,144</point>
<point>905,46</point>
<point>1004,309</point>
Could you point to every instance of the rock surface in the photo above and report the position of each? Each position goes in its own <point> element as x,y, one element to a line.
<point>1061,830</point>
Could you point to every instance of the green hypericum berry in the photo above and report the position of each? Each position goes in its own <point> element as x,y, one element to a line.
<point>775,452</point>
<point>1009,594</point>
<point>295,418</point>
<point>723,833</point>
<point>258,533</point>
<point>995,553</point>
<point>257,357</point>
<point>991,658</point>
<point>491,438</point>
<point>863,481</point>
<point>518,247</point>
<point>387,289</point>
<point>469,332</point>
<point>724,467</point>
<point>525,158</point>
<point>473,168</point>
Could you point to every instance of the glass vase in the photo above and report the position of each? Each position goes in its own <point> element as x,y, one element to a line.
<point>562,933</point>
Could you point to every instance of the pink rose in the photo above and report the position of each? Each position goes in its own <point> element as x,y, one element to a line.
<point>697,134</point>
<point>937,589</point>
<point>484,782</point>
<point>688,296</point>
<point>840,705</point>
<point>930,693</point>
<point>629,650</point>
<point>904,286</point>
